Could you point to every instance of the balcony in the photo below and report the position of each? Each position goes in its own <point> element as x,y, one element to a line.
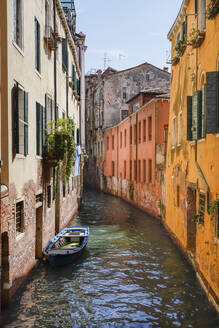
<point>197,39</point>
<point>50,38</point>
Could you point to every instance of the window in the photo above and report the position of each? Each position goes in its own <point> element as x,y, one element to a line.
<point>20,112</point>
<point>202,203</point>
<point>196,7</point>
<point>135,107</point>
<point>113,168</point>
<point>124,169</point>
<point>40,128</point>
<point>144,170</point>
<point>203,123</point>
<point>19,217</point>
<point>135,170</point>
<point>144,130</point>
<point>65,59</point>
<point>120,139</point>
<point>130,170</point>
<point>49,108</point>
<point>112,142</point>
<point>139,132</point>
<point>147,77</point>
<point>212,102</point>
<point>177,195</point>
<point>149,170</point>
<point>54,184</point>
<point>107,143</point>
<point>203,15</point>
<point>173,132</point>
<point>63,189</point>
<point>130,135</point>
<point>48,194</point>
<point>139,170</point>
<point>47,14</point>
<point>135,134</point>
<point>78,136</point>
<point>124,93</point>
<point>149,128</point>
<point>124,114</point>
<point>125,138</point>
<point>179,131</point>
<point>194,116</point>
<point>18,26</point>
<point>37,44</point>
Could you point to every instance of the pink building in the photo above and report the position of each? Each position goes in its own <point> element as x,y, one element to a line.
<point>135,149</point>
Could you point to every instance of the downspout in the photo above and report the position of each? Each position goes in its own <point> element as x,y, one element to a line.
<point>55,68</point>
<point>196,142</point>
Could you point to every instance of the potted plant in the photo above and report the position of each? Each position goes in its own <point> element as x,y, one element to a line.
<point>196,37</point>
<point>180,47</point>
<point>60,144</point>
<point>175,60</point>
<point>212,9</point>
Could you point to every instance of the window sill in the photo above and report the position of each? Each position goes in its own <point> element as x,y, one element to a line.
<point>192,143</point>
<point>19,235</point>
<point>201,140</point>
<point>172,147</point>
<point>178,145</point>
<point>20,156</point>
<point>217,135</point>
<point>38,74</point>
<point>38,157</point>
<point>18,48</point>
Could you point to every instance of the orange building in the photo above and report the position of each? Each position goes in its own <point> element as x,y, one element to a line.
<point>134,156</point>
<point>192,167</point>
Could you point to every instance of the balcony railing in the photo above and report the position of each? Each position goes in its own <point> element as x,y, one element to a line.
<point>50,38</point>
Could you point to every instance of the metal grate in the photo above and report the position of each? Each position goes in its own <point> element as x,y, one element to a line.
<point>19,216</point>
<point>202,203</point>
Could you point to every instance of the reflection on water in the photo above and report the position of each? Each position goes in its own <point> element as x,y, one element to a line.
<point>130,275</point>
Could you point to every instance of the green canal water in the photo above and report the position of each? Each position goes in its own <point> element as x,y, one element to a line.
<point>131,275</point>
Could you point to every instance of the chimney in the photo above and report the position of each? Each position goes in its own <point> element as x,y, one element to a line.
<point>165,69</point>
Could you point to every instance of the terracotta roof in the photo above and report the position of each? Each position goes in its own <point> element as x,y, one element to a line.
<point>155,91</point>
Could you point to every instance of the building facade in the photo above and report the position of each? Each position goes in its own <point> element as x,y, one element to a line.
<point>107,94</point>
<point>135,154</point>
<point>192,174</point>
<point>41,83</point>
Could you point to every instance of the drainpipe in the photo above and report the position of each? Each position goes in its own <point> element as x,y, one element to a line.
<point>196,143</point>
<point>55,59</point>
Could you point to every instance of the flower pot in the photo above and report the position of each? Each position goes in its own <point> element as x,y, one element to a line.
<point>197,40</point>
<point>175,60</point>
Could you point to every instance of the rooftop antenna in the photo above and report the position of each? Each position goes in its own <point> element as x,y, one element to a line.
<point>106,60</point>
<point>168,57</point>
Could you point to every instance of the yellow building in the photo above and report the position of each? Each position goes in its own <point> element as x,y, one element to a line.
<point>192,177</point>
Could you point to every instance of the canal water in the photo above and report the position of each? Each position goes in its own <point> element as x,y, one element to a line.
<point>131,275</point>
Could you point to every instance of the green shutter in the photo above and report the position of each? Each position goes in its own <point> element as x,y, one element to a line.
<point>196,115</point>
<point>26,121</point>
<point>43,110</point>
<point>212,102</point>
<point>38,128</point>
<point>64,54</point>
<point>79,87</point>
<point>16,118</point>
<point>203,111</point>
<point>189,118</point>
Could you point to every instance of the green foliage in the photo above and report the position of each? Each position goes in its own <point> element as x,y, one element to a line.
<point>213,208</point>
<point>60,142</point>
<point>198,218</point>
<point>212,9</point>
<point>181,46</point>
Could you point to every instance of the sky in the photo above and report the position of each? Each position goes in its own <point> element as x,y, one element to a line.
<point>126,33</point>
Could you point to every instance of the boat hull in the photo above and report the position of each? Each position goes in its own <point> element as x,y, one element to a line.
<point>62,255</point>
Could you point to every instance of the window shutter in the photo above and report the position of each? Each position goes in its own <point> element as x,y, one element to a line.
<point>203,111</point>
<point>15,20</point>
<point>199,115</point>
<point>73,77</point>
<point>52,110</point>
<point>212,102</point>
<point>196,115</point>
<point>64,54</point>
<point>46,108</point>
<point>16,118</point>
<point>38,128</point>
<point>78,136</point>
<point>26,121</point>
<point>189,118</point>
<point>43,126</point>
<point>78,87</point>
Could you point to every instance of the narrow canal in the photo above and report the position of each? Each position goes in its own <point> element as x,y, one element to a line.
<point>131,275</point>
